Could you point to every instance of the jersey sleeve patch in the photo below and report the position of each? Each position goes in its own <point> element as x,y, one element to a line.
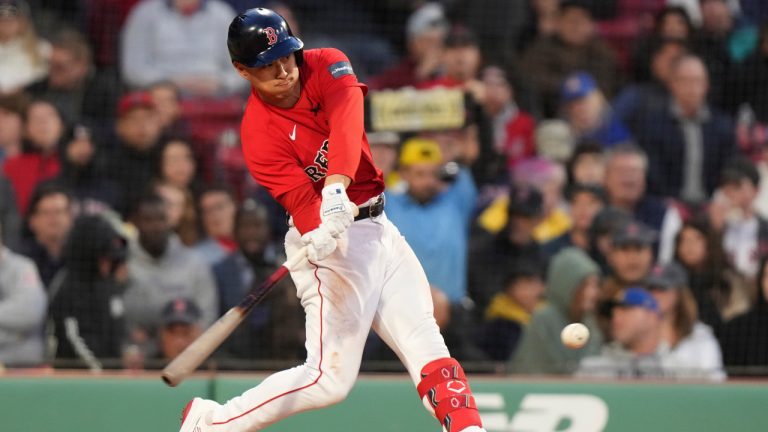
<point>339,69</point>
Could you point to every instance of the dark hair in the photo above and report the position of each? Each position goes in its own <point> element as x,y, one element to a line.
<point>91,239</point>
<point>74,42</point>
<point>659,45</point>
<point>16,103</point>
<point>521,269</point>
<point>673,10</point>
<point>566,5</point>
<point>216,188</point>
<point>251,207</point>
<point>148,198</point>
<point>582,148</point>
<point>44,190</point>
<point>716,259</point>
<point>161,152</point>
<point>761,301</point>
<point>595,190</point>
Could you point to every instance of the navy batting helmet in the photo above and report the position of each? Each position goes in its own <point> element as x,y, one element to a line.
<point>258,37</point>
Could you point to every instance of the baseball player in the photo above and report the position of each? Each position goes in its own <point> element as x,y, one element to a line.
<point>303,139</point>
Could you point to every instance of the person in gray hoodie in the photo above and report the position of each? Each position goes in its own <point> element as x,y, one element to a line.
<point>160,269</point>
<point>22,311</point>
<point>573,284</point>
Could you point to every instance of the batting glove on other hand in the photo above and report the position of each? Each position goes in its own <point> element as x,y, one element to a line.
<point>337,212</point>
<point>320,243</point>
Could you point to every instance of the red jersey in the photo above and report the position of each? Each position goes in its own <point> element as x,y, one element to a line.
<point>290,151</point>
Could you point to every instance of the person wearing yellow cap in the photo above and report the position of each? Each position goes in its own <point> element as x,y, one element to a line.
<point>433,211</point>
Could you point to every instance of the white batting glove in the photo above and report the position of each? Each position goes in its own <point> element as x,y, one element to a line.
<point>320,243</point>
<point>337,212</point>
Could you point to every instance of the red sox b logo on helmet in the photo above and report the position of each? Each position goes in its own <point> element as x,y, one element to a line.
<point>271,35</point>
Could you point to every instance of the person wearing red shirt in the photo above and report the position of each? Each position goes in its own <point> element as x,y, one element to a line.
<point>304,141</point>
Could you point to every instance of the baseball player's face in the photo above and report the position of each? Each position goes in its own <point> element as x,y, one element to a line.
<point>275,81</point>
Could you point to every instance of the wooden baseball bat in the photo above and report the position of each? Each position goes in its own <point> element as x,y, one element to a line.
<point>199,350</point>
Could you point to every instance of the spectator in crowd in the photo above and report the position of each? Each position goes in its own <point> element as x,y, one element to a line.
<point>742,338</point>
<point>177,165</point>
<point>79,91</point>
<point>748,83</point>
<point>49,221</point>
<point>384,150</point>
<point>460,63</point>
<point>692,342</point>
<point>134,161</point>
<point>12,109</point>
<point>549,178</point>
<point>626,174</point>
<point>574,47</point>
<point>181,324</point>
<point>83,173</point>
<point>425,33</point>
<point>588,112</point>
<point>512,127</point>
<point>510,311</point>
<point>638,349</point>
<point>586,164</point>
<point>721,43</point>
<point>604,225</point>
<point>584,202</point>
<point>24,56</point>
<point>492,252</point>
<point>273,330</point>
<point>635,99</point>
<point>104,20</point>
<point>217,207</point>
<point>672,23</point>
<point>687,130</point>
<point>167,99</point>
<point>179,41</point>
<point>160,269</point>
<point>43,130</point>
<point>573,285</point>
<point>22,310</point>
<point>720,292</point>
<point>87,307</point>
<point>182,212</point>
<point>10,224</point>
<point>542,21</point>
<point>630,258</point>
<point>546,177</point>
<point>745,234</point>
<point>434,214</point>
<point>498,24</point>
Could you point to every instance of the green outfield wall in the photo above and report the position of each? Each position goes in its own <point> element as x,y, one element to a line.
<point>144,404</point>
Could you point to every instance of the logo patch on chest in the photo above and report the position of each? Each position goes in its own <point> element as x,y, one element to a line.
<point>319,167</point>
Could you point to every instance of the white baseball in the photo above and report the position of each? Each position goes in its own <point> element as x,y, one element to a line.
<point>575,335</point>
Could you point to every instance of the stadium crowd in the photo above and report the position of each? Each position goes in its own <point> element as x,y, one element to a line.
<point>611,169</point>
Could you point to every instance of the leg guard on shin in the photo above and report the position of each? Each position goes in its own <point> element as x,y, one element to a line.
<point>445,386</point>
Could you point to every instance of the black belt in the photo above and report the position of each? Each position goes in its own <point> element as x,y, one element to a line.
<point>373,210</point>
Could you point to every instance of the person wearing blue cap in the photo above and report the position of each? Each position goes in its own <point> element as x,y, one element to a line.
<point>588,112</point>
<point>638,350</point>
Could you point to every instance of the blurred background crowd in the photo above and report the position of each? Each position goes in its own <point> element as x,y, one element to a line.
<point>610,168</point>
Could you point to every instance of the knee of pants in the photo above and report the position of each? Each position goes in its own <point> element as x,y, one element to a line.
<point>335,388</point>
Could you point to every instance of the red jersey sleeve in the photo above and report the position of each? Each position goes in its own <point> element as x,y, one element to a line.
<point>343,97</point>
